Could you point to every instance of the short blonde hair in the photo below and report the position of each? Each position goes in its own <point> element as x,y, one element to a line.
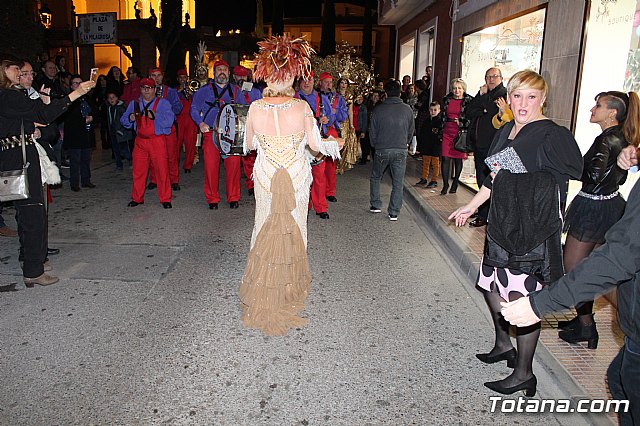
<point>527,79</point>
<point>459,81</point>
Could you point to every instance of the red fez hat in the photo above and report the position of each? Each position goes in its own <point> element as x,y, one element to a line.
<point>182,72</point>
<point>325,75</point>
<point>155,69</point>
<point>240,71</point>
<point>220,62</point>
<point>147,82</point>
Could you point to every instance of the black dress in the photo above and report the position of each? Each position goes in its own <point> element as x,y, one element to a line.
<point>542,146</point>
<point>598,205</point>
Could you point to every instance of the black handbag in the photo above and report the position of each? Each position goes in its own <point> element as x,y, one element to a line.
<point>462,142</point>
<point>14,184</point>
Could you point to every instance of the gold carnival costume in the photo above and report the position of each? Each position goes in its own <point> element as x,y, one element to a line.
<point>277,278</point>
<point>351,144</point>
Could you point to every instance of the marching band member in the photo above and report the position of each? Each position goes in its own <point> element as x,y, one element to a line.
<point>152,118</point>
<point>187,129</point>
<point>340,113</point>
<point>241,75</point>
<point>173,148</point>
<point>319,104</point>
<point>206,104</point>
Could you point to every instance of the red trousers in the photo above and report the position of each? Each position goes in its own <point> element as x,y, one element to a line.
<point>150,153</point>
<point>187,135</point>
<point>212,172</point>
<point>319,189</point>
<point>247,166</point>
<point>330,168</point>
<point>173,155</point>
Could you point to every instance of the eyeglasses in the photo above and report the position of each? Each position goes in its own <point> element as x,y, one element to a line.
<point>493,76</point>
<point>146,87</point>
<point>27,73</point>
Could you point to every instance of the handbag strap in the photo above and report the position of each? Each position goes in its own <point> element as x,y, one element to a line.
<point>23,142</point>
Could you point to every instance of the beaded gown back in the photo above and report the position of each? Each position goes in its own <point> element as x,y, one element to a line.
<point>277,277</point>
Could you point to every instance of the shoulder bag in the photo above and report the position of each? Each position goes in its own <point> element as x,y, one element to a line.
<point>14,184</point>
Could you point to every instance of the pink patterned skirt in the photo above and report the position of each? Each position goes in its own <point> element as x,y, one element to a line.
<point>509,282</point>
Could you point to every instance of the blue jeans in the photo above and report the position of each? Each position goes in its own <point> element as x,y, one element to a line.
<point>79,166</point>
<point>623,374</point>
<point>396,161</point>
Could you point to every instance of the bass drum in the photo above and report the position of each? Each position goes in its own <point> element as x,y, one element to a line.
<point>230,127</point>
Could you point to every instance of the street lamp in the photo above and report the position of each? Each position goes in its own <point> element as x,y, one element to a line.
<point>45,15</point>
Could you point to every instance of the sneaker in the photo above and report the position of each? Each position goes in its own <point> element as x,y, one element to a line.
<point>393,217</point>
<point>432,184</point>
<point>422,181</point>
<point>374,210</point>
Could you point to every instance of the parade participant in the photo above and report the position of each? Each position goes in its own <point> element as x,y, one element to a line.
<point>152,118</point>
<point>324,118</point>
<point>187,129</point>
<point>132,86</point>
<point>277,277</point>
<point>206,105</point>
<point>241,75</point>
<point>173,148</point>
<point>340,113</point>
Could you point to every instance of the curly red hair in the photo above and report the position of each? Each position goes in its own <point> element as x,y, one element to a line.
<point>281,58</point>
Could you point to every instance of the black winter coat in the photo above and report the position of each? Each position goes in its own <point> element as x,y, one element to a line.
<point>76,134</point>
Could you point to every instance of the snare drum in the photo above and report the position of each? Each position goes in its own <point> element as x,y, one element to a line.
<point>230,126</point>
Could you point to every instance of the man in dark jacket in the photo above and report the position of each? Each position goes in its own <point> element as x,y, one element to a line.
<point>390,132</point>
<point>481,131</point>
<point>615,264</point>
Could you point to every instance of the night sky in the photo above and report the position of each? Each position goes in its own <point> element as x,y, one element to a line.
<point>242,13</point>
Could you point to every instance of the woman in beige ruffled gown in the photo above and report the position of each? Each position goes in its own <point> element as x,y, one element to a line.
<point>277,278</point>
<point>351,143</point>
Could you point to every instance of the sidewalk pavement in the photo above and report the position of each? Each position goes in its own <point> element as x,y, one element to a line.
<point>585,368</point>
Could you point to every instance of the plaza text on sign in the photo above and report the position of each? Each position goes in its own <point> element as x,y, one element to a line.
<point>97,28</point>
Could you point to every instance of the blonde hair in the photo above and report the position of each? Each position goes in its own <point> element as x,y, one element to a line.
<point>461,82</point>
<point>527,79</point>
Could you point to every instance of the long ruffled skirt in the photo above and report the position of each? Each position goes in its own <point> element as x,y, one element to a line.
<point>277,278</point>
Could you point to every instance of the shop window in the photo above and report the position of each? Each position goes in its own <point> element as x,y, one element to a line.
<point>511,46</point>
<point>407,49</point>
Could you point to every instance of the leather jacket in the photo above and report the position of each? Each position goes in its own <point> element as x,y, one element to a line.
<point>601,175</point>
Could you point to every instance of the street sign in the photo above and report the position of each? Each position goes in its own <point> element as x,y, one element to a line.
<point>97,28</point>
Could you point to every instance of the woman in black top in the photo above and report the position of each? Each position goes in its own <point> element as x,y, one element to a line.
<point>598,205</point>
<point>531,146</point>
<point>17,110</point>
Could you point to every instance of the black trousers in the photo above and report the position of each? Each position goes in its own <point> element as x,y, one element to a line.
<point>31,214</point>
<point>482,171</point>
<point>367,150</point>
<point>445,166</point>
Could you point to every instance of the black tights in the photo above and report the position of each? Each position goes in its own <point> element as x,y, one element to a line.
<point>446,170</point>
<point>574,251</point>
<point>526,339</point>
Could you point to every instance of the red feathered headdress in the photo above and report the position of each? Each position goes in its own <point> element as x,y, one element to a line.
<point>280,58</point>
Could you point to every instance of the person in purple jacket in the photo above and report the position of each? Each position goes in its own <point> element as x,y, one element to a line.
<point>321,108</point>
<point>173,148</point>
<point>206,105</point>
<point>340,113</point>
<point>152,118</point>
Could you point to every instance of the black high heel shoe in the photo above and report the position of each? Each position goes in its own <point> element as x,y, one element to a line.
<point>445,188</point>
<point>454,187</point>
<point>582,333</point>
<point>509,356</point>
<point>528,386</point>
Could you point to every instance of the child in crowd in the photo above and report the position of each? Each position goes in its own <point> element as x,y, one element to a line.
<point>119,136</point>
<point>430,146</point>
